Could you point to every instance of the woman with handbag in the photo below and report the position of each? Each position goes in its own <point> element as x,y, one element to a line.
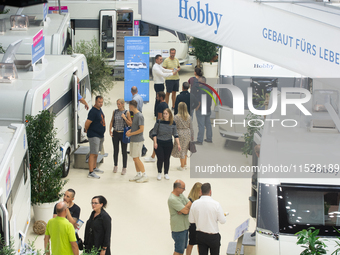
<point>185,135</point>
<point>163,132</point>
<point>98,228</point>
<point>120,119</point>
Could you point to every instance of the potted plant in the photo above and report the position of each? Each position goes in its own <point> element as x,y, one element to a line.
<point>310,241</point>
<point>99,69</point>
<point>206,56</point>
<point>45,170</point>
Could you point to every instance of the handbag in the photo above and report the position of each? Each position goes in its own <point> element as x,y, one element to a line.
<point>79,242</point>
<point>150,132</point>
<point>126,139</point>
<point>192,147</point>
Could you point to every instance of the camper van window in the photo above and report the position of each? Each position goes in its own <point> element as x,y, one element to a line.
<point>17,181</point>
<point>168,30</point>
<point>61,103</point>
<point>26,166</point>
<point>308,206</point>
<point>182,36</point>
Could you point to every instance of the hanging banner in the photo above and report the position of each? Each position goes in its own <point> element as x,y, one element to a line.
<point>265,31</point>
<point>136,69</point>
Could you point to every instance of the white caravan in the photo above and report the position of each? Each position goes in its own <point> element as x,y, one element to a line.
<point>52,87</point>
<point>298,183</point>
<point>57,31</point>
<point>245,71</point>
<point>15,185</point>
<point>110,21</point>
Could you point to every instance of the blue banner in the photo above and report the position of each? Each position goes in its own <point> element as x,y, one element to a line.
<point>136,66</point>
<point>38,51</point>
<point>45,11</point>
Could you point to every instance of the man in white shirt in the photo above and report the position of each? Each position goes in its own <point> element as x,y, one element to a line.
<point>159,73</point>
<point>205,213</point>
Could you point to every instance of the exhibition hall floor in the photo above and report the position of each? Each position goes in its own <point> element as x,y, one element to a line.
<point>139,211</point>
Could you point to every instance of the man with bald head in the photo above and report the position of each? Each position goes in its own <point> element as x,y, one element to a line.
<point>179,207</point>
<point>61,232</point>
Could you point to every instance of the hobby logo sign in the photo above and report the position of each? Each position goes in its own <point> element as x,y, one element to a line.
<point>199,13</point>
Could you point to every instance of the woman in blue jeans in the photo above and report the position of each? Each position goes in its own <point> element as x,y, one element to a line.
<point>162,133</point>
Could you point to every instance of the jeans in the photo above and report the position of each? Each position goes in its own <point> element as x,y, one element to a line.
<point>158,87</point>
<point>118,137</point>
<point>203,121</point>
<point>163,153</point>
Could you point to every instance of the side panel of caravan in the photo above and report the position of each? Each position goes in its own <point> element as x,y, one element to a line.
<point>15,184</point>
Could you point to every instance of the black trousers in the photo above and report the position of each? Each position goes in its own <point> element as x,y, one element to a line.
<point>118,137</point>
<point>208,241</point>
<point>163,153</point>
<point>158,87</point>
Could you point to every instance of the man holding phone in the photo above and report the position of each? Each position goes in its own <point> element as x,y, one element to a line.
<point>172,82</point>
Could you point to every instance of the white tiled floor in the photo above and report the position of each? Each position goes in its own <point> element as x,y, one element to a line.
<point>140,216</point>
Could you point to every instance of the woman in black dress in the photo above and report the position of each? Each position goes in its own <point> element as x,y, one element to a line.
<point>98,228</point>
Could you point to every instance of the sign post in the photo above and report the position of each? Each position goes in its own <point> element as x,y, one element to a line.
<point>239,231</point>
<point>136,66</point>
<point>38,48</point>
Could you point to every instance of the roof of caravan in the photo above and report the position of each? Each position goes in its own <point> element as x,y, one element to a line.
<point>53,26</point>
<point>33,80</point>
<point>293,147</point>
<point>6,135</point>
<point>12,96</point>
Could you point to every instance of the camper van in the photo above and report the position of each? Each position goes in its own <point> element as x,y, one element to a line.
<point>110,21</point>
<point>15,185</point>
<point>245,71</point>
<point>53,86</point>
<point>56,30</point>
<point>298,175</point>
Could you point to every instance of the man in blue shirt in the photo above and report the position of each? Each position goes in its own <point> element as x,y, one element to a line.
<point>95,129</point>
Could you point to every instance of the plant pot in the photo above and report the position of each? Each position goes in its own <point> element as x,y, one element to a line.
<point>43,211</point>
<point>192,60</point>
<point>210,69</point>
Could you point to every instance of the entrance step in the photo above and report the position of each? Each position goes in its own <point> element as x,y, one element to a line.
<point>231,250</point>
<point>81,157</point>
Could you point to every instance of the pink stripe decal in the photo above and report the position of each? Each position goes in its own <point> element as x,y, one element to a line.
<point>37,38</point>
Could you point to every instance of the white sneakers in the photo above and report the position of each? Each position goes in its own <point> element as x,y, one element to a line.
<point>140,178</point>
<point>150,159</point>
<point>159,177</point>
<point>143,179</point>
<point>181,168</point>
<point>137,177</point>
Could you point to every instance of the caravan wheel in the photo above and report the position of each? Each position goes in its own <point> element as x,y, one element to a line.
<point>66,164</point>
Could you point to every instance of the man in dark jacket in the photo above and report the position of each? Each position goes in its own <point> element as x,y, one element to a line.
<point>188,98</point>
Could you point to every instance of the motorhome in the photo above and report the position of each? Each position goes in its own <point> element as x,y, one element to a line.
<point>53,86</point>
<point>110,21</point>
<point>245,71</point>
<point>56,30</point>
<point>15,185</point>
<point>297,175</point>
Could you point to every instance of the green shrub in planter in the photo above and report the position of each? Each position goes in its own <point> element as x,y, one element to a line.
<point>204,51</point>
<point>100,71</point>
<point>247,149</point>
<point>46,172</point>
